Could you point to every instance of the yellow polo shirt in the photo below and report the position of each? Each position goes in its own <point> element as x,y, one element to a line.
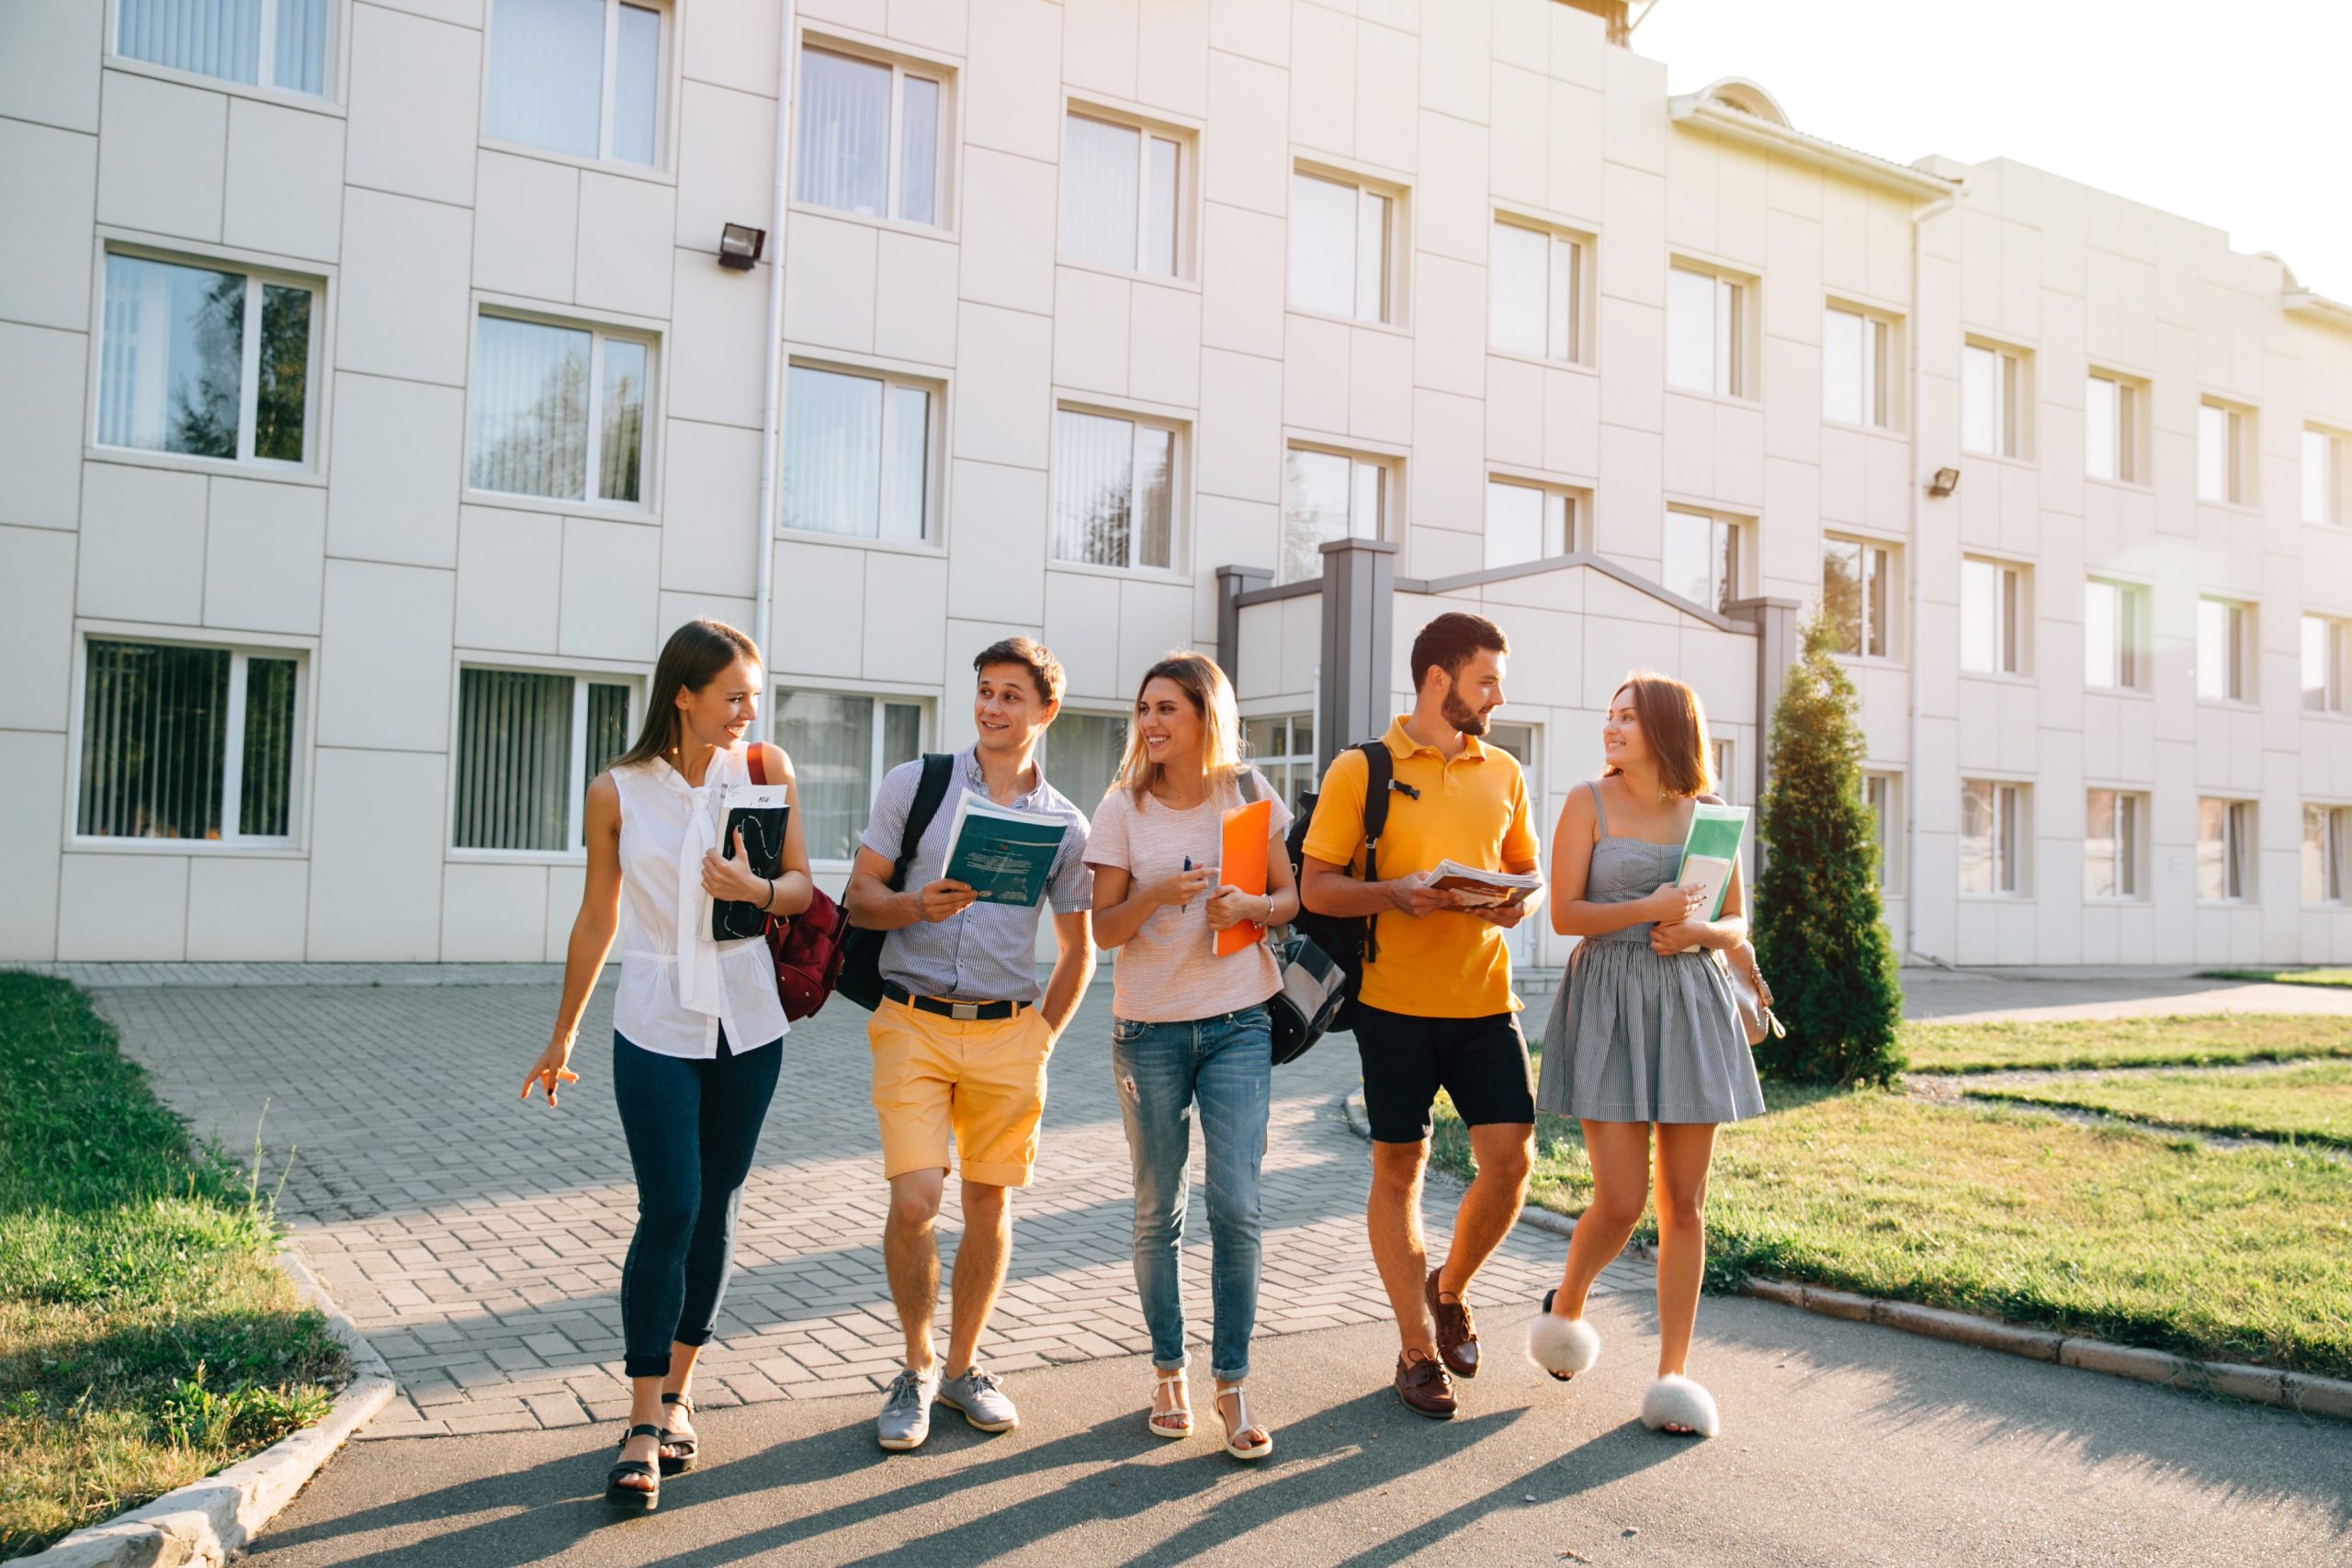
<point>1472,809</point>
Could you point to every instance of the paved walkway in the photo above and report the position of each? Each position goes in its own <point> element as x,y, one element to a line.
<point>2027,995</point>
<point>477,1242</point>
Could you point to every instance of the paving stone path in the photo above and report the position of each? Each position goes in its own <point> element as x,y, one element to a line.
<point>477,1242</point>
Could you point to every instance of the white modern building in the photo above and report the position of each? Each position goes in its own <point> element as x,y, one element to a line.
<point>375,397</point>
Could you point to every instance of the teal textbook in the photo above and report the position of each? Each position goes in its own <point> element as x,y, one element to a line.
<point>1005,856</point>
<point>1711,849</point>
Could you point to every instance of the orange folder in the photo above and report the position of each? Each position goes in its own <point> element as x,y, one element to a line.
<point>1242,864</point>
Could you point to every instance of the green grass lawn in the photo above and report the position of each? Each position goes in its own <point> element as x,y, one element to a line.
<point>2312,1102</point>
<point>146,1338</point>
<point>2195,1040</point>
<point>2143,1240</point>
<point>2282,976</point>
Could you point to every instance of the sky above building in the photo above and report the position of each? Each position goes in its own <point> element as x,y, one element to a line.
<point>2230,114</point>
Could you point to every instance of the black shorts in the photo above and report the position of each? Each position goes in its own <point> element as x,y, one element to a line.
<point>1481,1062</point>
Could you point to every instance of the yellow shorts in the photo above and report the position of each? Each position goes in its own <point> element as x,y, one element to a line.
<point>983,1081</point>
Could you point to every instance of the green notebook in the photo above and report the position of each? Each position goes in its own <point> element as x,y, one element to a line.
<point>1711,849</point>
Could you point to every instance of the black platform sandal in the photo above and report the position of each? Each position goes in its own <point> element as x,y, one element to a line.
<point>630,1498</point>
<point>689,1445</point>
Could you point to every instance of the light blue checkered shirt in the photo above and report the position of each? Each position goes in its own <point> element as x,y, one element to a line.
<point>988,954</point>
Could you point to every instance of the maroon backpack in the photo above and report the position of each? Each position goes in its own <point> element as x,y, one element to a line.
<point>807,947</point>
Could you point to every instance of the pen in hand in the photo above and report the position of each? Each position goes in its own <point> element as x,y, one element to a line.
<point>1187,903</point>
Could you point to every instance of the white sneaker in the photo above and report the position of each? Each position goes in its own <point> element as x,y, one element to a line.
<point>906,1411</point>
<point>983,1400</point>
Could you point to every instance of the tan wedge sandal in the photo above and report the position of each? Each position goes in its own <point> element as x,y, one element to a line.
<point>1239,1425</point>
<point>1174,1420</point>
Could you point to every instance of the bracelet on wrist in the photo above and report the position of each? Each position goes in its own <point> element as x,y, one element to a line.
<point>768,904</point>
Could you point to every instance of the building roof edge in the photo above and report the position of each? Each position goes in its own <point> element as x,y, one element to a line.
<point>1703,109</point>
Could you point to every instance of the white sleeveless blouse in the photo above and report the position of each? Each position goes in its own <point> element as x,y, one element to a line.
<point>677,986</point>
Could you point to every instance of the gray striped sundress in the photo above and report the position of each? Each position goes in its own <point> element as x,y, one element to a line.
<point>1636,1037</point>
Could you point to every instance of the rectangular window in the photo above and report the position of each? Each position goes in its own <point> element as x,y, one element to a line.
<point>1115,485</point>
<point>577,77</point>
<point>1341,235</point>
<point>1992,617</point>
<point>183,743</point>
<point>1991,400</point>
<point>1082,752</point>
<point>1283,748</point>
<point>558,410</point>
<point>1881,792</point>
<point>1720,764</point>
<point>2327,665</point>
<point>1704,327</point>
<point>2111,829</point>
<point>1991,836</point>
<point>281,43</point>
<point>1527,523</point>
<point>1701,559</point>
<point>2327,855</point>
<point>2114,636</point>
<point>2110,429</point>
<point>2221,454</point>
<point>857,456</point>
<point>205,362</point>
<point>1534,293</point>
<point>1120,196</point>
<point>1328,496</point>
<point>2322,477</point>
<point>2225,850</point>
<point>1858,595</point>
<point>2225,652</point>
<point>840,745</point>
<point>1856,371</point>
<point>869,137</point>
<point>529,745</point>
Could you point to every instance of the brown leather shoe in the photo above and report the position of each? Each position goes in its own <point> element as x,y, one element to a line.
<point>1457,1336</point>
<point>1425,1388</point>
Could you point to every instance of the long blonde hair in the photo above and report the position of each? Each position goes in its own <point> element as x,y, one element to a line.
<point>1197,676</point>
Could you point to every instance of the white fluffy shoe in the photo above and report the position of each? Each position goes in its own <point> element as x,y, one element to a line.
<point>1675,1401</point>
<point>1560,1346</point>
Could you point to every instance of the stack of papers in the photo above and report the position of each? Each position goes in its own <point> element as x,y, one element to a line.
<point>1483,889</point>
<point>1005,856</point>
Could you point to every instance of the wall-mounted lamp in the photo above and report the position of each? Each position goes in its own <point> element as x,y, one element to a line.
<point>1945,481</point>
<point>740,246</point>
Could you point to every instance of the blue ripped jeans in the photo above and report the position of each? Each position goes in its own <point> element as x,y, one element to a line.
<point>1226,1065</point>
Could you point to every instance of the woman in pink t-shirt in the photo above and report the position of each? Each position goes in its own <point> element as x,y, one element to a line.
<point>1189,1026</point>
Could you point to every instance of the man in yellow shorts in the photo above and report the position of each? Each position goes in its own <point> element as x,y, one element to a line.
<point>961,1037</point>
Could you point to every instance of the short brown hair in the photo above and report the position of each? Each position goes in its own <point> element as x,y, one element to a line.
<point>1045,670</point>
<point>1451,641</point>
<point>1674,727</point>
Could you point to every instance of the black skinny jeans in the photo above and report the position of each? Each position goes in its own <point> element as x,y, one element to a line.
<point>691,1127</point>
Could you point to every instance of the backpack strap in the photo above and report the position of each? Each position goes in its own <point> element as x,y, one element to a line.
<point>1380,773</point>
<point>936,766</point>
<point>1246,777</point>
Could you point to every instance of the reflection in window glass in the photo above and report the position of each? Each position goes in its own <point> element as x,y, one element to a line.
<point>546,73</point>
<point>1082,752</point>
<point>636,83</point>
<point>1698,558</point>
<point>171,377</point>
<point>844,132</point>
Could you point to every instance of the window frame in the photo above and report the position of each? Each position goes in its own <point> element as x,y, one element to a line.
<point>1881,369</point>
<point>2128,864</point>
<point>329,98</point>
<point>1179,494</point>
<point>645,509</point>
<point>1185,240</point>
<point>2334,689</point>
<point>2241,851</point>
<point>2241,685</point>
<point>2240,455</point>
<point>935,453</point>
<point>2134,658</point>
<point>1732,315</point>
<point>635,678</point>
<point>241,648</point>
<point>2013,618</point>
<point>2012,838</point>
<point>1890,828</point>
<point>1890,587</point>
<point>2012,401</point>
<point>1296,760</point>
<point>2335,477</point>
<point>1573,302</point>
<point>1395,248</point>
<point>1387,526</point>
<point>1733,553</point>
<point>315,371</point>
<point>942,74</point>
<point>925,704</point>
<point>2333,848</point>
<point>1575,506</point>
<point>665,92</point>
<point>2131,453</point>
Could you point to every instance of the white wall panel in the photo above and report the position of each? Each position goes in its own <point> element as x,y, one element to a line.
<point>376,824</point>
<point>161,152</point>
<point>118,906</point>
<point>143,544</point>
<point>383,667</point>
<point>41,415</point>
<point>265,555</point>
<point>48,181</point>
<point>284,181</point>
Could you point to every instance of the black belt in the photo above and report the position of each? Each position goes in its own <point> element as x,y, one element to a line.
<point>966,1012</point>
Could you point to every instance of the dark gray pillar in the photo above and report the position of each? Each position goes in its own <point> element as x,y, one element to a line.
<point>1359,593</point>
<point>1232,582</point>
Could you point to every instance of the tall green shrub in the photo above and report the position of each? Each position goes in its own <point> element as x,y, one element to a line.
<point>1820,931</point>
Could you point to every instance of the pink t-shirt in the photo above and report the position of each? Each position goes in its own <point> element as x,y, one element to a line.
<point>1168,972</point>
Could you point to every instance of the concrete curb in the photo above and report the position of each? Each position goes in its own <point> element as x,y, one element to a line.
<point>2303,1393</point>
<point>209,1521</point>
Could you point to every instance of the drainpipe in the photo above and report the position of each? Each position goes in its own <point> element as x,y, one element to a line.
<point>1919,482</point>
<point>771,403</point>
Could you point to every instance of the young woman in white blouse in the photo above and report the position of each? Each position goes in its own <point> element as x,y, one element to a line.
<point>696,1023</point>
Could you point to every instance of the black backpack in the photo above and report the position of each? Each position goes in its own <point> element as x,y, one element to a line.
<point>1349,941</point>
<point>861,980</point>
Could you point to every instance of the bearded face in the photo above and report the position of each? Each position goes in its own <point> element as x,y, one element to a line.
<point>1466,718</point>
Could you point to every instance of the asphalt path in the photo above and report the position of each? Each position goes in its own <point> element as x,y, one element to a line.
<point>1843,1444</point>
